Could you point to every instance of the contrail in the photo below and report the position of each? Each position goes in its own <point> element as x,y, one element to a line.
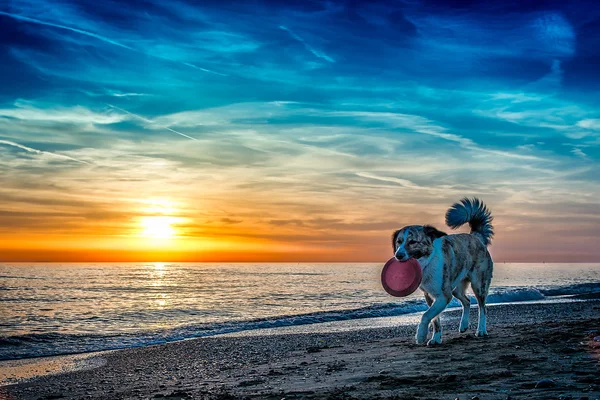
<point>200,68</point>
<point>100,37</point>
<point>308,47</point>
<point>36,151</point>
<point>68,28</point>
<point>152,122</point>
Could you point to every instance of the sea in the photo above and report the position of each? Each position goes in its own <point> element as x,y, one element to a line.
<point>53,309</point>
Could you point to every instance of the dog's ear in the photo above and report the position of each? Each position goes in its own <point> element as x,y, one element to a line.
<point>394,238</point>
<point>432,232</point>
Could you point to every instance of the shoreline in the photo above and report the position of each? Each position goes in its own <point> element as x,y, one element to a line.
<point>336,321</point>
<point>25,369</point>
<point>363,363</point>
<point>335,326</point>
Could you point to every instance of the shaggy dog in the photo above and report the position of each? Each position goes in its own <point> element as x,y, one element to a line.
<point>450,263</point>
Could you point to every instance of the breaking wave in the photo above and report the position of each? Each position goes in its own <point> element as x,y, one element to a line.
<point>47,344</point>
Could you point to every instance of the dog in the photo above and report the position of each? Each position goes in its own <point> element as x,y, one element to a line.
<point>450,263</point>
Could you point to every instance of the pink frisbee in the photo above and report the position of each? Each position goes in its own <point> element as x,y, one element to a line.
<point>401,278</point>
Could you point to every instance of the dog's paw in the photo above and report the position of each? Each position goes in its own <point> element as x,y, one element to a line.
<point>421,336</point>
<point>436,340</point>
<point>420,340</point>
<point>481,334</point>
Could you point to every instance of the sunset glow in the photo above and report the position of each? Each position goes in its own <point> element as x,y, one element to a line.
<point>158,227</point>
<point>296,133</point>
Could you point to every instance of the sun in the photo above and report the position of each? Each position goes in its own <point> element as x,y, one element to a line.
<point>158,227</point>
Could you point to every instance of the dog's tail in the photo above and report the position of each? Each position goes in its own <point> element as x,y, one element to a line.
<point>476,214</point>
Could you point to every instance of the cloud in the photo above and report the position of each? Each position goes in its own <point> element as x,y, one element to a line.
<point>40,152</point>
<point>556,115</point>
<point>66,12</point>
<point>555,33</point>
<point>593,124</point>
<point>402,182</point>
<point>578,152</point>
<point>26,111</point>
<point>68,28</point>
<point>151,122</point>
<point>430,128</point>
<point>315,52</point>
<point>116,93</point>
<point>551,81</point>
<point>204,69</point>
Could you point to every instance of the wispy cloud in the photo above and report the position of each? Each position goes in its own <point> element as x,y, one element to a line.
<point>40,152</point>
<point>593,124</point>
<point>103,39</point>
<point>308,47</point>
<point>65,27</point>
<point>204,69</point>
<point>579,153</point>
<point>402,182</point>
<point>116,93</point>
<point>27,111</point>
<point>152,122</point>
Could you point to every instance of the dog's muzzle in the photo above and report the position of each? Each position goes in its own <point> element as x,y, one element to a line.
<point>401,256</point>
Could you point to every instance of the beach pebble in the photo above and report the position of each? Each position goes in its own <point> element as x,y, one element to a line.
<point>55,396</point>
<point>180,394</point>
<point>545,383</point>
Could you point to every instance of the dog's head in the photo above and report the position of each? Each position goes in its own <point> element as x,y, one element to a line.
<point>414,241</point>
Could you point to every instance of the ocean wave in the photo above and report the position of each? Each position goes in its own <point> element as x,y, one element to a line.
<point>14,288</point>
<point>46,344</point>
<point>20,277</point>
<point>55,343</point>
<point>514,295</point>
<point>567,290</point>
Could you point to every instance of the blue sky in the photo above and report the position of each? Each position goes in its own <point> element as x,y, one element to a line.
<point>309,127</point>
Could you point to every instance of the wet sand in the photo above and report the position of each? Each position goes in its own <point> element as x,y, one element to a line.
<point>534,351</point>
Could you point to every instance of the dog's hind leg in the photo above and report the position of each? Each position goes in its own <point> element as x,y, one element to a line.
<point>480,288</point>
<point>459,293</point>
<point>482,324</point>
<point>436,309</point>
<point>435,324</point>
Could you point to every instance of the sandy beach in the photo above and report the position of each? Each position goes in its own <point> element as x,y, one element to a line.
<point>534,351</point>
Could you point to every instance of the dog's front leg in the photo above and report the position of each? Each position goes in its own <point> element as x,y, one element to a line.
<point>435,324</point>
<point>436,309</point>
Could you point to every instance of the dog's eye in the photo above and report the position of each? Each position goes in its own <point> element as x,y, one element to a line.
<point>412,241</point>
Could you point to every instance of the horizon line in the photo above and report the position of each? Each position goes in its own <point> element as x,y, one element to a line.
<point>262,262</point>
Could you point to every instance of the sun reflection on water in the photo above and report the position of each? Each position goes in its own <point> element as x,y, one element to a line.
<point>158,274</point>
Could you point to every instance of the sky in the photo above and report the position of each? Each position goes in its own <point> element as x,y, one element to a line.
<point>147,130</point>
